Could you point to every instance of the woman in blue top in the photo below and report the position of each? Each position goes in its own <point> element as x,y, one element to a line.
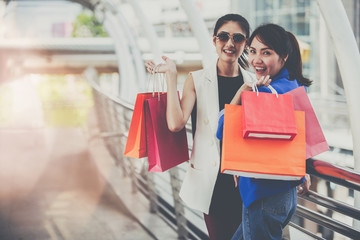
<point>268,205</point>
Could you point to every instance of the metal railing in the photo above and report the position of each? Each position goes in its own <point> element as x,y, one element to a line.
<point>162,189</point>
<point>339,176</point>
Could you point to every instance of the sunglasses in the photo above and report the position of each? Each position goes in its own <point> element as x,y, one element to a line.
<point>236,37</point>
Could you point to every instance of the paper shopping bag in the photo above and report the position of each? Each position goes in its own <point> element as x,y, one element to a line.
<point>268,159</point>
<point>136,141</point>
<point>268,116</point>
<point>166,149</point>
<point>315,139</point>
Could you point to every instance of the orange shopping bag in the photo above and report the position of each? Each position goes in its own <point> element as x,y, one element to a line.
<point>136,141</point>
<point>269,159</point>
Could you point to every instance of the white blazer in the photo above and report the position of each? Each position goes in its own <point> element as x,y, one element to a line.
<point>199,182</point>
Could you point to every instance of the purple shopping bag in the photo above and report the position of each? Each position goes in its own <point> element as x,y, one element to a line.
<point>315,139</point>
<point>166,149</point>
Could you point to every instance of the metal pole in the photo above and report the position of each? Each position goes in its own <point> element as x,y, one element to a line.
<point>348,57</point>
<point>149,31</point>
<point>152,192</point>
<point>178,203</point>
<point>200,31</point>
<point>138,61</point>
<point>128,86</point>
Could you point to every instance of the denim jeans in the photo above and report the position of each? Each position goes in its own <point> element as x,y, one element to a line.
<point>265,218</point>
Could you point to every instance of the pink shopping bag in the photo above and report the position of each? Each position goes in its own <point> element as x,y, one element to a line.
<point>166,149</point>
<point>268,116</point>
<point>315,139</point>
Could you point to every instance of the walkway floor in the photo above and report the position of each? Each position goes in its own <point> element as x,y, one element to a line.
<point>55,183</point>
<point>57,194</point>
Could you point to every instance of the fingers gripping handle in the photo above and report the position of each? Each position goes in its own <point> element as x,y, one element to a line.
<point>255,89</point>
<point>157,79</point>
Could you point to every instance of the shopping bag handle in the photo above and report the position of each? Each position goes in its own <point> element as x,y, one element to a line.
<point>156,79</point>
<point>255,89</point>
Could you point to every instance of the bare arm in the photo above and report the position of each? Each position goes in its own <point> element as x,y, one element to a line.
<point>177,112</point>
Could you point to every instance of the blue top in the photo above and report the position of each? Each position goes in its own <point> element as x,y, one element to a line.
<point>252,189</point>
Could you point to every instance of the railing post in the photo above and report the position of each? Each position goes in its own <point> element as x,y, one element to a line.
<point>178,205</point>
<point>152,192</point>
<point>115,123</point>
<point>122,140</point>
<point>132,176</point>
<point>107,122</point>
<point>100,112</point>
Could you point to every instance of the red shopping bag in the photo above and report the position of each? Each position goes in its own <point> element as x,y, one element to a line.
<point>315,139</point>
<point>166,149</point>
<point>268,159</point>
<point>268,116</point>
<point>136,141</point>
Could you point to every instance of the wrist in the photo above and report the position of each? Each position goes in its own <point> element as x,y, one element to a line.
<point>171,79</point>
<point>171,73</point>
<point>246,87</point>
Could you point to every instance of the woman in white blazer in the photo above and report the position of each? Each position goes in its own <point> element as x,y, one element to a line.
<point>204,187</point>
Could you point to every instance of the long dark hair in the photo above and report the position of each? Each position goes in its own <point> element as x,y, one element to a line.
<point>284,44</point>
<point>243,23</point>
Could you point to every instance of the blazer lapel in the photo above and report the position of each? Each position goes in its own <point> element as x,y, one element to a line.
<point>212,96</point>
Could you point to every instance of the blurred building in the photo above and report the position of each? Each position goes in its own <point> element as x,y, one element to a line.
<point>40,19</point>
<point>301,17</point>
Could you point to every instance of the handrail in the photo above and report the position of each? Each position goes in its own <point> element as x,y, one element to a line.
<point>327,222</point>
<point>307,232</point>
<point>95,86</point>
<point>317,168</point>
<point>345,177</point>
<point>332,204</point>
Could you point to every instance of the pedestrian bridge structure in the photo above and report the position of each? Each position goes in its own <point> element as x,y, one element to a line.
<point>62,166</point>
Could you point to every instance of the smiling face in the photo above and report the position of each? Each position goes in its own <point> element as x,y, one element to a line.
<point>264,60</point>
<point>229,51</point>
